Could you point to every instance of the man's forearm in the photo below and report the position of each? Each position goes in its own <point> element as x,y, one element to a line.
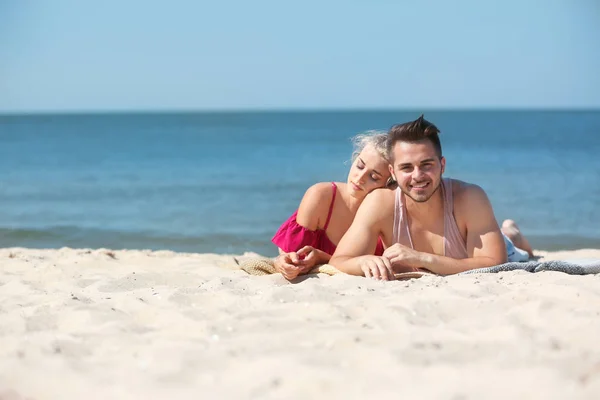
<point>447,266</point>
<point>347,264</point>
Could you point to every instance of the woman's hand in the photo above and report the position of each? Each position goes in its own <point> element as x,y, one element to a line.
<point>295,263</point>
<point>285,265</point>
<point>309,257</point>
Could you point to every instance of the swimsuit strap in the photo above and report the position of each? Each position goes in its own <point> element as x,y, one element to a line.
<point>334,187</point>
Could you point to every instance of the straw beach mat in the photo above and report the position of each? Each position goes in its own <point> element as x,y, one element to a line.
<point>266,266</point>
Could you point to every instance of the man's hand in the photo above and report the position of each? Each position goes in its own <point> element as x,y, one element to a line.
<point>402,258</point>
<point>374,219</point>
<point>376,267</point>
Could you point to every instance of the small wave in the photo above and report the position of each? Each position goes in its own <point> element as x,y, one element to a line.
<point>77,237</point>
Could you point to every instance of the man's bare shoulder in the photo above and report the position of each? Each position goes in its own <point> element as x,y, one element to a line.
<point>379,202</point>
<point>462,190</point>
<point>468,195</point>
<point>381,194</point>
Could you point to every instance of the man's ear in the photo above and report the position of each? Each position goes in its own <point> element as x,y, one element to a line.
<point>391,183</point>
<point>391,168</point>
<point>443,162</point>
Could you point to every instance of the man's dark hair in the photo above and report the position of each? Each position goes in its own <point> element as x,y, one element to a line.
<point>414,131</point>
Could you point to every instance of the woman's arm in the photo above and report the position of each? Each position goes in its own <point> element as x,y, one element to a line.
<point>311,215</point>
<point>314,207</point>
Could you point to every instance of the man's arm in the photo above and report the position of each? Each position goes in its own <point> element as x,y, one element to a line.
<point>485,244</point>
<point>360,241</point>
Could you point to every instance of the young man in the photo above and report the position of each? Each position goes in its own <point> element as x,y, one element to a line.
<point>438,224</point>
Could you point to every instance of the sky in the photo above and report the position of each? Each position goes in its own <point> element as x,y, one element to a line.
<point>83,56</point>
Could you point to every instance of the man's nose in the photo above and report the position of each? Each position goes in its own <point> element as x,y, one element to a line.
<point>417,173</point>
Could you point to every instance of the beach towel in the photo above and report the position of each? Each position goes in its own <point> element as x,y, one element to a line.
<point>571,267</point>
<point>265,266</point>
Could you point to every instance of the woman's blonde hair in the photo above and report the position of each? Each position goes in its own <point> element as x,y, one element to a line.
<point>379,141</point>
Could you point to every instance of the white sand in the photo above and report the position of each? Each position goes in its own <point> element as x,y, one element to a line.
<point>79,324</point>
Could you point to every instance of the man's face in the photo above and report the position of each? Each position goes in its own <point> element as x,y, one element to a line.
<point>417,168</point>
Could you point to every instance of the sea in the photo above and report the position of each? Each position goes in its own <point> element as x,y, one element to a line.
<point>223,182</point>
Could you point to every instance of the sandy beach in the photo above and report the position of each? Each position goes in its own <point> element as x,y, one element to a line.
<point>101,324</point>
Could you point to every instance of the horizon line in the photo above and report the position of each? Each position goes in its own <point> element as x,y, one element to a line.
<point>290,110</point>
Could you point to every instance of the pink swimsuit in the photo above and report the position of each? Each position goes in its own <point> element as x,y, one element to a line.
<point>292,236</point>
<point>454,244</point>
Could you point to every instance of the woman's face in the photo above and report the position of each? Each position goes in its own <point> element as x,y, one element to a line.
<point>369,171</point>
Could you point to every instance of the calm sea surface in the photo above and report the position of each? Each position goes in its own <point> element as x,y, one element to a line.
<point>223,182</point>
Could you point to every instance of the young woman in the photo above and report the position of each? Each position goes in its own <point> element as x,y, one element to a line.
<point>309,237</point>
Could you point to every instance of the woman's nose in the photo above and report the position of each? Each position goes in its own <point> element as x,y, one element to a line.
<point>361,176</point>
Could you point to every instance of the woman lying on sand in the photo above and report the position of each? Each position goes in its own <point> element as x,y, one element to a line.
<point>310,236</point>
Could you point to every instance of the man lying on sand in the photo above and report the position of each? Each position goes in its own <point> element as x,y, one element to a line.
<point>429,223</point>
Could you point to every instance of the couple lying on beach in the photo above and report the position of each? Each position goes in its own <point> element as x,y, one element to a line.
<point>396,213</point>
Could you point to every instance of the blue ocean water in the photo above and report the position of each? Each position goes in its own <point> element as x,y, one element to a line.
<point>223,182</point>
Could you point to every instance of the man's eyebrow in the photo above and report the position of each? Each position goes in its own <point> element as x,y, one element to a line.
<point>421,162</point>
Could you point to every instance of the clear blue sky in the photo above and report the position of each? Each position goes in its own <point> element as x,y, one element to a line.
<point>59,55</point>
